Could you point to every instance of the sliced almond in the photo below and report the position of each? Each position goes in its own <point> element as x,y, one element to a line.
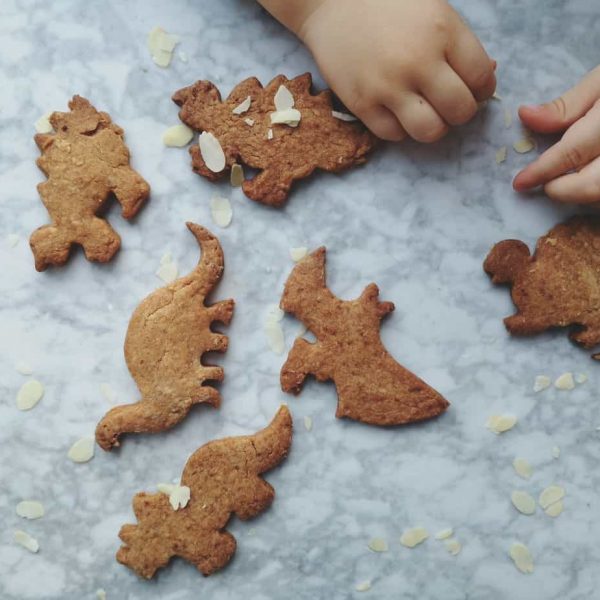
<point>177,136</point>
<point>523,502</point>
<point>501,423</point>
<point>453,546</point>
<point>524,145</point>
<point>521,557</point>
<point>179,497</point>
<point>555,509</point>
<point>343,116</point>
<point>299,253</point>
<point>541,382</point>
<point>220,211</point>
<point>413,537</point>
<point>550,495</point>
<point>108,393</point>
<point>161,45</point>
<point>378,545</point>
<point>501,155</point>
<point>25,540</point>
<point>522,468</point>
<point>166,488</point>
<point>236,177</point>
<point>555,451</point>
<point>43,125</point>
<point>30,509</point>
<point>211,151</point>
<point>363,586</point>
<point>308,423</point>
<point>290,116</point>
<point>508,119</point>
<point>23,368</point>
<point>275,337</point>
<point>82,450</point>
<point>565,382</point>
<point>167,271</point>
<point>243,106</point>
<point>269,134</point>
<point>283,99</point>
<point>30,394</point>
<point>580,378</point>
<point>12,239</point>
<point>249,122</point>
<point>444,534</point>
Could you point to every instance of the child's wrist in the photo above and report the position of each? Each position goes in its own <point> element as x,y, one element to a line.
<point>294,14</point>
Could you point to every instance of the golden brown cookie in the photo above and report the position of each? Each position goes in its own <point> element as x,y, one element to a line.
<point>318,141</point>
<point>372,387</point>
<point>167,336</point>
<point>86,161</point>
<point>223,478</point>
<point>559,285</point>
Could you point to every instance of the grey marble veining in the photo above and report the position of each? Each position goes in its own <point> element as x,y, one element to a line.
<point>418,220</point>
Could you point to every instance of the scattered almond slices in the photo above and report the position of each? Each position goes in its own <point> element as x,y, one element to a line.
<point>495,96</point>
<point>273,329</point>
<point>521,557</point>
<point>524,145</point>
<point>183,57</point>
<point>378,545</point>
<point>43,125</point>
<point>243,106</point>
<point>161,46</point>
<point>12,239</point>
<point>25,540</point>
<point>555,509</point>
<point>23,368</point>
<point>82,450</point>
<point>269,134</point>
<point>308,423</point>
<point>297,254</point>
<point>501,154</point>
<point>30,509</point>
<point>30,394</point>
<point>508,119</point>
<point>236,176</point>
<point>555,451</point>
<point>211,151</point>
<point>343,116</point>
<point>523,502</point>
<point>541,382</point>
<point>522,468</point>
<point>551,495</point>
<point>580,378</point>
<point>249,122</point>
<point>414,536</point>
<point>453,546</point>
<point>100,594</point>
<point>363,586</point>
<point>177,136</point>
<point>167,271</point>
<point>108,393</point>
<point>444,534</point>
<point>290,117</point>
<point>179,497</point>
<point>565,382</point>
<point>501,423</point>
<point>283,99</point>
<point>220,211</point>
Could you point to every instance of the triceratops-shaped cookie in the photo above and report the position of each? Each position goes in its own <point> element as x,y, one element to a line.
<point>556,287</point>
<point>287,153</point>
<point>167,335</point>
<point>223,477</point>
<point>372,387</point>
<point>85,161</point>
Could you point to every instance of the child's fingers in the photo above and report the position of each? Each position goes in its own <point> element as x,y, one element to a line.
<point>472,64</point>
<point>383,123</point>
<point>418,117</point>
<point>579,145</point>
<point>563,111</point>
<point>449,95</point>
<point>580,188</point>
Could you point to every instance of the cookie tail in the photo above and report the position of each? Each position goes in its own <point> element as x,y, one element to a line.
<point>209,269</point>
<point>271,445</point>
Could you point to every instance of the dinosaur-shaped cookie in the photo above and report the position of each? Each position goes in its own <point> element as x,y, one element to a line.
<point>223,478</point>
<point>86,161</point>
<point>319,141</point>
<point>167,335</point>
<point>372,387</point>
<point>559,285</point>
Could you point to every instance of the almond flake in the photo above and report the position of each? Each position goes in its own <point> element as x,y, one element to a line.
<point>555,509</point>
<point>541,382</point>
<point>501,155</point>
<point>523,502</point>
<point>220,211</point>
<point>521,557</point>
<point>167,271</point>
<point>243,106</point>
<point>30,394</point>
<point>378,545</point>
<point>299,253</point>
<point>166,258</point>
<point>108,393</point>
<point>211,151</point>
<point>249,122</point>
<point>23,368</point>
<point>283,99</point>
<point>501,423</point>
<point>550,495</point>
<point>495,96</point>
<point>522,468</point>
<point>580,378</point>
<point>555,451</point>
<point>413,537</point>
<point>183,57</point>
<point>30,509</point>
<point>363,586</point>
<point>308,423</point>
<point>274,313</point>
<point>100,594</point>
<point>565,382</point>
<point>12,239</point>
<point>82,450</point>
<point>444,534</point>
<point>177,136</point>
<point>290,116</point>
<point>343,116</point>
<point>236,177</point>
<point>166,488</point>
<point>275,336</point>
<point>269,134</point>
<point>453,546</point>
<point>179,497</point>
<point>523,146</point>
<point>507,118</point>
<point>25,540</point>
<point>43,125</point>
<point>161,46</point>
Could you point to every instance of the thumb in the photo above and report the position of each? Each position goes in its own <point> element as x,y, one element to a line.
<point>566,109</point>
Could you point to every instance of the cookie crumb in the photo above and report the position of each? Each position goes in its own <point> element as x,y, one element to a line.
<point>378,545</point>
<point>243,106</point>
<point>177,136</point>
<point>554,509</point>
<point>343,116</point>
<point>30,509</point>
<point>521,557</point>
<point>30,394</point>
<point>82,450</point>
<point>550,495</point>
<point>249,122</point>
<point>555,451</point>
<point>220,211</point>
<point>523,146</point>
<point>12,239</point>
<point>25,540</point>
<point>161,46</point>
<point>565,381</point>
<point>363,586</point>
<point>43,125</point>
<point>211,152</point>
<point>523,502</point>
<point>501,155</point>
<point>541,382</point>
<point>501,423</point>
<point>413,537</point>
<point>269,134</point>
<point>453,546</point>
<point>299,253</point>
<point>236,177</point>
<point>308,423</point>
<point>23,368</point>
<point>444,534</point>
<point>522,468</point>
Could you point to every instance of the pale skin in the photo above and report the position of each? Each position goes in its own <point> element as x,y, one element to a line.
<point>406,68</point>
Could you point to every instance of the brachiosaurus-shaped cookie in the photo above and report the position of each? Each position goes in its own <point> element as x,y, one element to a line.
<point>372,387</point>
<point>167,335</point>
<point>319,141</point>
<point>86,161</point>
<point>556,287</point>
<point>224,478</point>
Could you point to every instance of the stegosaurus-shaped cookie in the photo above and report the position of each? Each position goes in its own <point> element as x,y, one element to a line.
<point>319,141</point>
<point>167,335</point>
<point>224,478</point>
<point>372,387</point>
<point>559,285</point>
<point>86,161</point>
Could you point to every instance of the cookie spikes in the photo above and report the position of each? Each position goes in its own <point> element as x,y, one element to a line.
<point>372,387</point>
<point>559,285</point>
<point>224,478</point>
<point>86,161</point>
<point>167,335</point>
<point>282,153</point>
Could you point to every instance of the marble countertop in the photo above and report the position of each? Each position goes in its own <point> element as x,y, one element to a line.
<point>418,220</point>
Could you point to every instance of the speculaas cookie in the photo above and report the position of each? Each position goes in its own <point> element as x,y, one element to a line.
<point>86,161</point>
<point>223,477</point>
<point>372,387</point>
<point>283,151</point>
<point>167,335</point>
<point>559,285</point>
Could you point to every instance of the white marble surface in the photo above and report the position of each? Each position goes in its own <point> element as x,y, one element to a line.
<point>417,220</point>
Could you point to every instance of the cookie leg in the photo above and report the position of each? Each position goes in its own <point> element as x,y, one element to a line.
<point>524,325</point>
<point>304,359</point>
<point>130,190</point>
<point>98,239</point>
<point>213,554</point>
<point>589,336</point>
<point>222,311</point>
<point>268,187</point>
<point>262,496</point>
<point>51,245</point>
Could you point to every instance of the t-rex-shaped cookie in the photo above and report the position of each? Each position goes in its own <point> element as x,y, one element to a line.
<point>319,141</point>
<point>372,387</point>
<point>167,335</point>
<point>224,478</point>
<point>556,287</point>
<point>85,161</point>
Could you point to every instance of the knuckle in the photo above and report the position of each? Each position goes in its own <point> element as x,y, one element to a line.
<point>430,133</point>
<point>463,113</point>
<point>573,157</point>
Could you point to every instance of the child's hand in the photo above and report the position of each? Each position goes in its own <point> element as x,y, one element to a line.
<point>402,66</point>
<point>569,170</point>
